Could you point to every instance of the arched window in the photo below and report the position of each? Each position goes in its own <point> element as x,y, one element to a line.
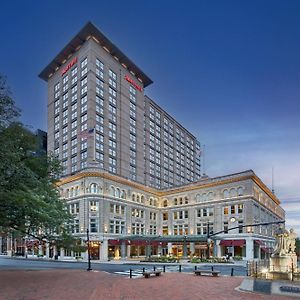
<point>155,202</point>
<point>137,198</point>
<point>67,193</point>
<point>175,201</point>
<point>76,191</point>
<point>112,191</point>
<point>186,200</point>
<point>142,199</point>
<point>118,193</point>
<point>133,197</point>
<point>204,197</point>
<point>225,194</point>
<point>72,192</point>
<point>151,201</point>
<point>233,193</point>
<point>198,197</point>
<point>165,203</point>
<point>123,194</point>
<point>94,188</point>
<point>210,195</point>
<point>240,191</point>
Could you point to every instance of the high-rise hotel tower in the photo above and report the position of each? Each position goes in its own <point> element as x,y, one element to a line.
<point>100,117</point>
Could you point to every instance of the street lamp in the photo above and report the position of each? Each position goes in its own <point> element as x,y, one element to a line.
<point>208,240</point>
<point>89,254</point>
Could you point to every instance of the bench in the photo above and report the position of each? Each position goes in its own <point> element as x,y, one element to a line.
<point>147,274</point>
<point>207,272</point>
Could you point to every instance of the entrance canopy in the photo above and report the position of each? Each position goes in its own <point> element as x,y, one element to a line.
<point>156,240</point>
<point>230,243</point>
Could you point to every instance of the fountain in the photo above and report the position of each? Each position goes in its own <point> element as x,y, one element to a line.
<point>283,261</point>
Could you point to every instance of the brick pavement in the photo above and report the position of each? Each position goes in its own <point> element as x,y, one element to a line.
<point>83,285</point>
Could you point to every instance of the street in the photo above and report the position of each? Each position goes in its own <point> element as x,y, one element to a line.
<point>7,263</point>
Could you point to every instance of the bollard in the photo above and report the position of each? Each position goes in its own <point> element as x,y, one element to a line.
<point>143,270</point>
<point>212,268</point>
<point>154,268</point>
<point>179,268</point>
<point>130,273</point>
<point>195,268</point>
<point>164,268</point>
<point>231,272</point>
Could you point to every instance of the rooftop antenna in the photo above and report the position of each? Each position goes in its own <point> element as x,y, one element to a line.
<point>273,191</point>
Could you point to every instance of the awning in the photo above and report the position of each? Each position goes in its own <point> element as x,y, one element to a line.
<point>259,242</point>
<point>266,249</point>
<point>230,243</point>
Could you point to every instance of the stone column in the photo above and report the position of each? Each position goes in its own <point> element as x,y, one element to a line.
<point>117,252</point>
<point>54,251</point>
<point>41,250</point>
<point>62,253</point>
<point>9,246</point>
<point>249,249</point>
<point>104,250</point>
<point>47,250</point>
<point>123,250</point>
<point>192,249</point>
<point>170,248</point>
<point>148,251</point>
<point>128,251</point>
<point>159,250</point>
<point>218,248</point>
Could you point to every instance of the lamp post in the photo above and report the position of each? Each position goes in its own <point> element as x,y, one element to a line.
<point>89,254</point>
<point>208,240</point>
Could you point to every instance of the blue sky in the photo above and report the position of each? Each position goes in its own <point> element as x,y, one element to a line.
<point>229,71</point>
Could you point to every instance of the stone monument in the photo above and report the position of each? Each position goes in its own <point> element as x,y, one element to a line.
<point>283,261</point>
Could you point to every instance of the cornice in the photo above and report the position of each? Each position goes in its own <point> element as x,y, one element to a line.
<point>188,188</point>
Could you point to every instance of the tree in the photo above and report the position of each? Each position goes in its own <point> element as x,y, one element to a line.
<point>29,199</point>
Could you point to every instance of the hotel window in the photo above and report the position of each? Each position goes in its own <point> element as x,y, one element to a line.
<point>225,210</point>
<point>137,228</point>
<point>74,90</point>
<point>93,225</point>
<point>83,63</point>
<point>99,68</point>
<point>165,216</point>
<point>232,210</point>
<point>94,206</point>
<point>241,229</point>
<point>117,226</point>
<point>152,229</point>
<point>225,227</point>
<point>181,229</point>
<point>84,90</point>
<point>83,155</point>
<point>240,208</point>
<point>74,72</point>
<point>74,80</point>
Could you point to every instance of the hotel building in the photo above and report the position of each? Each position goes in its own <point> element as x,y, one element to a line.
<point>132,172</point>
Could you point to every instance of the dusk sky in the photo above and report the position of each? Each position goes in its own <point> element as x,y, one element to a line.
<point>229,71</point>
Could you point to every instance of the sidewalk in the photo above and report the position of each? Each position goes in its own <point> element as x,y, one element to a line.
<point>74,284</point>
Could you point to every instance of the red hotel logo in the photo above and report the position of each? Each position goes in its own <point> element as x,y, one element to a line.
<point>69,66</point>
<point>133,83</point>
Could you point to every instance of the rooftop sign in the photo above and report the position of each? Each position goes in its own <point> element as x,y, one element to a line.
<point>133,83</point>
<point>69,66</point>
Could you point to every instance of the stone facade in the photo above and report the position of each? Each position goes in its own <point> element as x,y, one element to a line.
<point>114,208</point>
